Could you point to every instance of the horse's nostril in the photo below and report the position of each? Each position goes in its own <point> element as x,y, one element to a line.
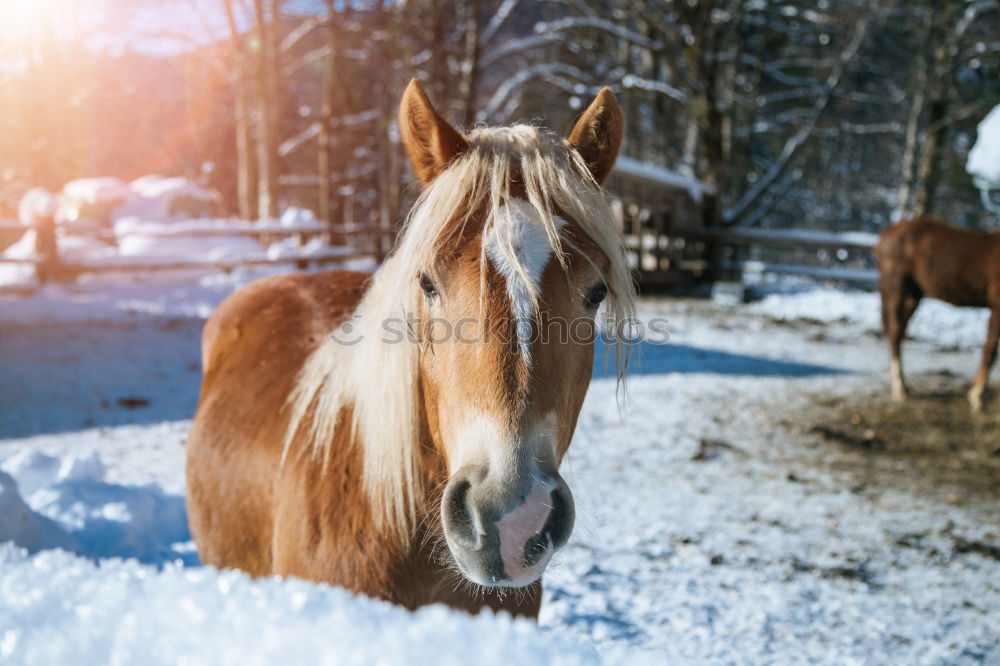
<point>535,548</point>
<point>458,514</point>
<point>560,522</point>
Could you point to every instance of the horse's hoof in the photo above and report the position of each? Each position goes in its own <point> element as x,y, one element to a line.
<point>976,401</point>
<point>899,395</point>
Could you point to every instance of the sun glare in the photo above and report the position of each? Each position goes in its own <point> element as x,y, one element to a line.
<point>24,20</point>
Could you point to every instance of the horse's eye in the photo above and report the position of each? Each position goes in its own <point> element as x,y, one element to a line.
<point>596,294</point>
<point>427,285</point>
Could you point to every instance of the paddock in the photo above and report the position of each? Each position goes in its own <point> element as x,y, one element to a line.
<point>784,505</point>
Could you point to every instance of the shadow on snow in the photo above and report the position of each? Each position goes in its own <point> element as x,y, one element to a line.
<point>659,359</point>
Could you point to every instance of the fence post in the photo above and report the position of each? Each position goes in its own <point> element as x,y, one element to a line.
<point>47,266</point>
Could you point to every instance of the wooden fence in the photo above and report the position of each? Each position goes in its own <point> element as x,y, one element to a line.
<point>822,255</point>
<point>51,264</point>
<point>668,250</point>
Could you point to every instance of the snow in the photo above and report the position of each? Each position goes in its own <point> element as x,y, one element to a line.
<point>89,203</point>
<point>936,322</point>
<point>290,248</point>
<point>59,609</point>
<point>138,239</point>
<point>155,237</point>
<point>37,204</point>
<point>754,553</point>
<point>984,158</point>
<point>626,166</point>
<point>293,217</point>
<point>162,198</point>
<point>23,248</point>
<point>125,299</point>
<point>73,249</point>
<point>151,197</point>
<point>93,191</point>
<point>66,503</point>
<point>17,276</point>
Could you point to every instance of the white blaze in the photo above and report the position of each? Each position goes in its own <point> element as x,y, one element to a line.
<point>521,224</point>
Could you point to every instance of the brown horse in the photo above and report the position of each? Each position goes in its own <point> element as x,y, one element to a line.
<point>928,257</point>
<point>412,454</point>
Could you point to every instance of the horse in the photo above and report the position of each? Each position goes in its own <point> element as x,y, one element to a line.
<point>929,257</point>
<point>343,436</point>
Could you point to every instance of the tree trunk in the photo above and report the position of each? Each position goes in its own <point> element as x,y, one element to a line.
<point>929,171</point>
<point>267,130</point>
<point>323,147</point>
<point>471,68</point>
<point>438,82</point>
<point>245,189</point>
<point>908,174</point>
<point>943,22</point>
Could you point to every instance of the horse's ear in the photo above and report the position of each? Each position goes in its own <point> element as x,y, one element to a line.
<point>597,135</point>
<point>430,141</point>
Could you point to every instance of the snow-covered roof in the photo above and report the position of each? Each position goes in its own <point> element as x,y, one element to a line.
<point>632,168</point>
<point>984,158</point>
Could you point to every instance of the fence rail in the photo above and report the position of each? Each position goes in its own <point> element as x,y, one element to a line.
<point>784,238</point>
<point>730,254</point>
<point>50,264</point>
<point>855,244</point>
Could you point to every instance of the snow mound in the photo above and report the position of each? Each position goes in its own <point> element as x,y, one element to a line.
<point>48,502</point>
<point>984,158</point>
<point>290,248</point>
<point>935,322</point>
<point>17,276</point>
<point>162,198</point>
<point>96,190</point>
<point>294,216</point>
<point>37,204</point>
<point>138,241</point>
<point>100,201</point>
<point>20,524</point>
<point>60,609</point>
<point>92,202</point>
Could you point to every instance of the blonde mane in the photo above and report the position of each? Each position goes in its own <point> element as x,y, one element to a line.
<point>377,382</point>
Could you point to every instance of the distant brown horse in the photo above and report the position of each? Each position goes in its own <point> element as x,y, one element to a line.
<point>413,454</point>
<point>928,257</point>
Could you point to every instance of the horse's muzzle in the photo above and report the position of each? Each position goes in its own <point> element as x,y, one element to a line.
<point>502,533</point>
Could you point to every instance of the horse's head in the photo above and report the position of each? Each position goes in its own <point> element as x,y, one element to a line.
<point>511,250</point>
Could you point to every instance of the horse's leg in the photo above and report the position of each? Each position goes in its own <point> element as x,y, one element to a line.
<point>989,356</point>
<point>900,298</point>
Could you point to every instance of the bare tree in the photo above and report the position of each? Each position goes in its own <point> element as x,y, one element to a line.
<point>245,180</point>
<point>323,138</point>
<point>266,24</point>
<point>941,51</point>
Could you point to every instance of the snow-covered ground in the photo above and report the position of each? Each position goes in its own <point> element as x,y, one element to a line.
<point>714,524</point>
<point>934,321</point>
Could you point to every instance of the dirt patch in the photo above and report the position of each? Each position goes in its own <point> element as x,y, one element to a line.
<point>932,440</point>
